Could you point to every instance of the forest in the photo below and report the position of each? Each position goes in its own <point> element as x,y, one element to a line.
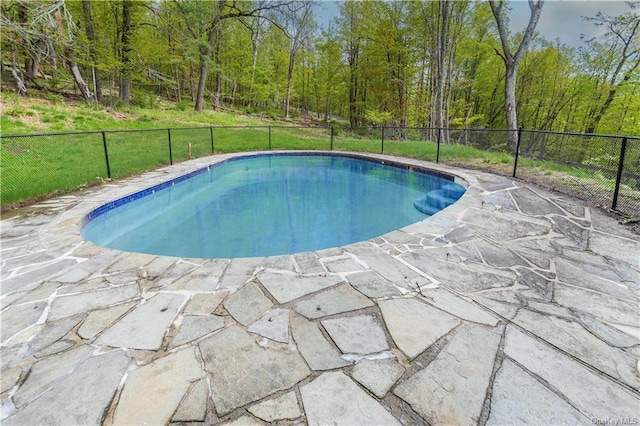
<point>381,63</point>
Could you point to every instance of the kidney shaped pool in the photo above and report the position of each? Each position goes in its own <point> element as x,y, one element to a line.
<point>271,204</point>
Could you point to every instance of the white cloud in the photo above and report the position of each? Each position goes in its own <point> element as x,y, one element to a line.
<point>564,20</point>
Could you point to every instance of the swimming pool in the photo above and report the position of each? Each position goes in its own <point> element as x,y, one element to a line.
<point>270,204</point>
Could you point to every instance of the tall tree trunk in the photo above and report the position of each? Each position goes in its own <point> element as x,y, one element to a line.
<point>255,36</point>
<point>77,76</point>
<point>441,53</point>
<point>127,51</point>
<point>205,54</point>
<point>292,59</point>
<point>512,61</point>
<point>91,36</point>
<point>22,89</point>
<point>29,63</point>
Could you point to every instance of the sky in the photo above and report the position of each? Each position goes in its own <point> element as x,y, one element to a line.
<point>560,19</point>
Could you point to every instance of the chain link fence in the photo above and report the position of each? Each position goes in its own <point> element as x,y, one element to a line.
<point>601,169</point>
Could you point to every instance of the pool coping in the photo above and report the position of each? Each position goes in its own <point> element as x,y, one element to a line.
<point>544,288</point>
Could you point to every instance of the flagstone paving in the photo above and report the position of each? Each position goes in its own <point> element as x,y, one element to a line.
<point>512,306</point>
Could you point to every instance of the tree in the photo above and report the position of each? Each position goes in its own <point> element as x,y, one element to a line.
<point>511,60</point>
<point>298,25</point>
<point>618,57</point>
<point>92,41</point>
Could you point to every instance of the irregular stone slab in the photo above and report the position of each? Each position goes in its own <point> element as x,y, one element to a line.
<point>273,325</point>
<point>589,392</point>
<point>613,270</point>
<point>146,325</point>
<point>452,388</point>
<point>501,199</point>
<point>131,261</point>
<point>458,235</point>
<point>413,325</point>
<point>205,303</point>
<point>193,407</point>
<point>539,288</point>
<point>99,320</point>
<point>239,271</point>
<point>334,399</point>
<point>67,306</point>
<point>42,292</point>
<point>346,264</point>
<point>242,372</point>
<point>598,304</point>
<point>533,204</point>
<point>606,332</point>
<point>17,318</point>
<point>194,327</point>
<point>81,397</point>
<point>574,339</point>
<point>316,350</point>
<point>503,303</point>
<point>282,263</point>
<point>518,398</point>
<point>87,285</point>
<point>29,280</point>
<point>158,265</point>
<point>333,301</point>
<point>575,274</point>
<point>498,256</point>
<point>571,230</point>
<point>203,278</point>
<point>74,275</point>
<point>377,375</point>
<point>387,266</point>
<point>243,421</point>
<point>285,288</point>
<point>398,238</point>
<point>152,392</point>
<point>247,304</point>
<point>623,249</point>
<point>501,226</point>
<point>10,298</point>
<point>44,373</point>
<point>462,277</point>
<point>357,335</point>
<point>54,348</point>
<point>373,285</point>
<point>176,272</point>
<point>308,263</point>
<point>52,332</point>
<point>10,378</point>
<point>458,306</point>
<point>284,407</point>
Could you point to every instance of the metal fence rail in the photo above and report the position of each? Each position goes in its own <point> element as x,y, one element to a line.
<point>601,169</point>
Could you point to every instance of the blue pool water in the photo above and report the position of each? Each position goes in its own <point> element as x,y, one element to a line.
<point>268,205</point>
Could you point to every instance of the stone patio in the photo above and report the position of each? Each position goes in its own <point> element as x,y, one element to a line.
<point>512,306</point>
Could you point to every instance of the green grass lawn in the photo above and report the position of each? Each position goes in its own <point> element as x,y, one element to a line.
<point>33,167</point>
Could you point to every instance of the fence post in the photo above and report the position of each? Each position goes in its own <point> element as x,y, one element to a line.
<point>332,134</point>
<point>211,133</point>
<point>382,143</point>
<point>170,153</point>
<point>623,150</point>
<point>269,138</point>
<point>106,154</point>
<point>438,146</point>
<point>515,161</point>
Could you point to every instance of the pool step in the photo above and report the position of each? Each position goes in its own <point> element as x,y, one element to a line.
<point>439,199</point>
